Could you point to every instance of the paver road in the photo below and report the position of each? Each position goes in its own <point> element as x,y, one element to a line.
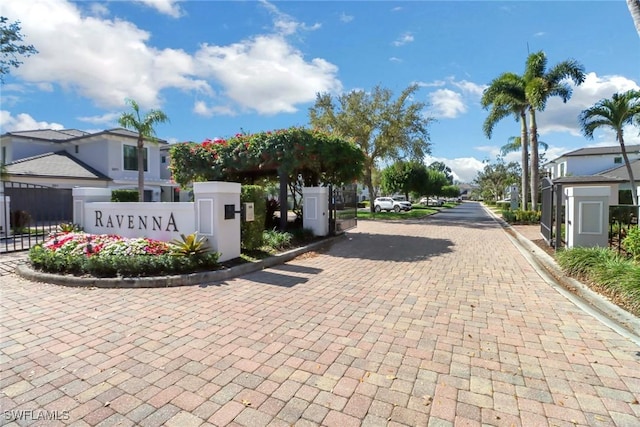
<point>434,322</point>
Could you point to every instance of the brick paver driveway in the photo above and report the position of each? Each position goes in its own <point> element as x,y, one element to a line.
<point>428,322</point>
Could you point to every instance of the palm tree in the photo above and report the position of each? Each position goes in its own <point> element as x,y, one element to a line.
<point>615,113</point>
<point>634,9</point>
<point>540,85</point>
<point>515,144</point>
<point>506,96</point>
<point>144,126</point>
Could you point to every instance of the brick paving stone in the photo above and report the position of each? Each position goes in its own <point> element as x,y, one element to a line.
<point>444,329</point>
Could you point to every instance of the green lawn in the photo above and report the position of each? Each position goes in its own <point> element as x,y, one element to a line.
<point>417,212</point>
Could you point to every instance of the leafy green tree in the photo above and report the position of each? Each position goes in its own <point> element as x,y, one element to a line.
<point>435,182</point>
<point>506,96</point>
<point>540,85</point>
<point>404,177</point>
<point>441,167</point>
<point>382,127</point>
<point>451,191</point>
<point>496,177</point>
<point>144,126</point>
<point>10,47</point>
<point>616,112</point>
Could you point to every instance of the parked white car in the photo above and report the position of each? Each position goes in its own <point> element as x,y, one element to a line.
<point>390,204</point>
<point>431,201</point>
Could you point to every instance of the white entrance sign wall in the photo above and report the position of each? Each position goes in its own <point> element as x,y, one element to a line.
<point>211,200</point>
<point>315,214</point>
<point>93,211</point>
<point>587,216</point>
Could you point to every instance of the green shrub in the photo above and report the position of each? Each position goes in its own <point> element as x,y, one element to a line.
<point>504,205</point>
<point>124,195</point>
<point>276,239</point>
<point>251,231</point>
<point>509,215</point>
<point>528,216</point>
<point>631,243</point>
<point>618,275</point>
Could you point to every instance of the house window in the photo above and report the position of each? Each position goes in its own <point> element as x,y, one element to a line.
<point>562,166</point>
<point>617,160</point>
<point>130,158</point>
<point>77,149</point>
<point>163,159</point>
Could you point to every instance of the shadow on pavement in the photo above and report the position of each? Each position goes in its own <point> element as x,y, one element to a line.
<point>386,247</point>
<point>268,277</point>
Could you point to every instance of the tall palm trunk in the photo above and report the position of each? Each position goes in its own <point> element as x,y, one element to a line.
<point>140,169</point>
<point>535,167</point>
<point>634,9</point>
<point>525,158</point>
<point>632,181</point>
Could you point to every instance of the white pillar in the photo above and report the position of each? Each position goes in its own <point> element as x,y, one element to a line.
<point>587,216</point>
<point>217,206</point>
<point>316,209</point>
<point>82,195</point>
<point>5,212</point>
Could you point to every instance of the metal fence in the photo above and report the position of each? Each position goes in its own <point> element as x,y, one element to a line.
<point>621,219</point>
<point>31,213</point>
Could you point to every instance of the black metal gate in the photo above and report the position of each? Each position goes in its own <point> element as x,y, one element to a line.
<point>31,212</point>
<point>343,208</point>
<point>552,213</point>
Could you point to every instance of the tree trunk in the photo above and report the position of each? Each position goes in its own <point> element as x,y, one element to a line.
<point>634,9</point>
<point>535,168</point>
<point>525,158</point>
<point>368,181</point>
<point>140,168</point>
<point>632,181</point>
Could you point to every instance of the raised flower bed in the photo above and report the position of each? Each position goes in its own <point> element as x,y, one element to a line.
<point>105,255</point>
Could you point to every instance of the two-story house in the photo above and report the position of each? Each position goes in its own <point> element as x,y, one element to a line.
<point>72,158</point>
<point>590,161</point>
<point>596,166</point>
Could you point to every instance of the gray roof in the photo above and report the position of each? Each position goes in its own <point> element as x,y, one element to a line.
<point>66,135</point>
<point>59,164</point>
<point>596,151</point>
<point>587,179</point>
<point>49,134</point>
<point>621,171</point>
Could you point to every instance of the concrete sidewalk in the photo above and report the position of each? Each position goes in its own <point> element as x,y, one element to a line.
<point>436,322</point>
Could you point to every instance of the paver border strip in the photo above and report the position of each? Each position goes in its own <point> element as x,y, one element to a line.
<point>25,271</point>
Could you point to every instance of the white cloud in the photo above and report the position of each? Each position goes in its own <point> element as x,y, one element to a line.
<point>468,87</point>
<point>104,60</point>
<point>560,117</point>
<point>403,39</point>
<point>202,109</point>
<point>270,76</point>
<point>464,169</point>
<point>345,18</point>
<point>437,83</point>
<point>395,59</point>
<point>106,118</point>
<point>167,7</point>
<point>285,24</point>
<point>109,60</point>
<point>446,103</point>
<point>23,121</point>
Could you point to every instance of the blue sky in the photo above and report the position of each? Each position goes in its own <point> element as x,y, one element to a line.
<point>216,67</point>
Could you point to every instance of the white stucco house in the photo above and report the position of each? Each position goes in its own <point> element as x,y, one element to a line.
<point>596,166</point>
<point>72,158</point>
